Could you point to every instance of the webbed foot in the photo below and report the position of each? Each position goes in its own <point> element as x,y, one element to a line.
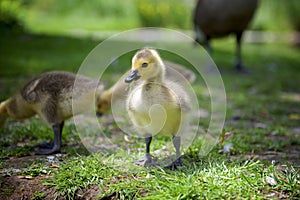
<point>54,149</point>
<point>147,161</point>
<point>45,145</point>
<point>175,164</point>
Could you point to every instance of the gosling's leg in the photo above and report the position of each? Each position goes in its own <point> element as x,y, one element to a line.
<point>147,161</point>
<point>148,157</point>
<point>57,129</point>
<point>177,162</point>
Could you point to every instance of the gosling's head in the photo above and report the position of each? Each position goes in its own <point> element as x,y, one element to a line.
<point>146,64</point>
<point>103,102</point>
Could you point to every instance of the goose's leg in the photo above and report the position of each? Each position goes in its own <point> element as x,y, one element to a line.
<point>238,62</point>
<point>208,45</point>
<point>57,129</point>
<point>177,162</point>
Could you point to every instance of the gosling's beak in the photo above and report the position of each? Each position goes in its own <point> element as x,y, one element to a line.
<point>99,114</point>
<point>132,76</point>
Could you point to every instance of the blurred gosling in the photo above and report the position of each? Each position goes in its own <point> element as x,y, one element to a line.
<point>51,95</point>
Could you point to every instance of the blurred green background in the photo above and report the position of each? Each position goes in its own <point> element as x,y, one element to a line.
<point>44,35</point>
<point>55,16</point>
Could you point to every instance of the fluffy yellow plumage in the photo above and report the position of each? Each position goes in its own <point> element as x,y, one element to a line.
<point>156,105</point>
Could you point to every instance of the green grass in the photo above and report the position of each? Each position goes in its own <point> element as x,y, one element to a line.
<point>211,177</point>
<point>19,139</point>
<point>262,112</point>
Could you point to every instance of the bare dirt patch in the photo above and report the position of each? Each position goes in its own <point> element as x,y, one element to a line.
<point>18,187</point>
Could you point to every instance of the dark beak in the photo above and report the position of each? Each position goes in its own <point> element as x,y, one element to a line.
<point>132,76</point>
<point>99,114</point>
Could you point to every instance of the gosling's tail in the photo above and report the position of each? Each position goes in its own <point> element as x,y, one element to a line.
<point>3,113</point>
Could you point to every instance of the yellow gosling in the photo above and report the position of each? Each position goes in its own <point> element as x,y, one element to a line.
<point>156,105</point>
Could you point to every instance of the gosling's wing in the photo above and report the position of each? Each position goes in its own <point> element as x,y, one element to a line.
<point>179,94</point>
<point>175,70</point>
<point>28,92</point>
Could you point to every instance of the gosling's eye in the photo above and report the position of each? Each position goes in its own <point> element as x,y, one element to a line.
<point>145,65</point>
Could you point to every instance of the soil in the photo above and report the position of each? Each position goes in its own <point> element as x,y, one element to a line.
<point>14,186</point>
<point>19,187</point>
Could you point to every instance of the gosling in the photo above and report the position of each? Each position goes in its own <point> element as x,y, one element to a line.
<point>50,95</point>
<point>154,90</point>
